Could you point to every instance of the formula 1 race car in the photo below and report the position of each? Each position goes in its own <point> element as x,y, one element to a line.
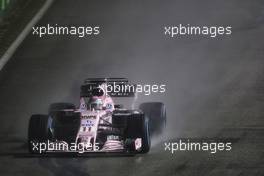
<point>97,125</point>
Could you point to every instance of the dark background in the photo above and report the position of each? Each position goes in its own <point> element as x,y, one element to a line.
<point>214,85</point>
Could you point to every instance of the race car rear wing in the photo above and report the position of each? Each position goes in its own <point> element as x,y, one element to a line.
<point>114,87</point>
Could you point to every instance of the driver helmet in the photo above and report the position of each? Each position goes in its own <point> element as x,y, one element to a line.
<point>96,104</point>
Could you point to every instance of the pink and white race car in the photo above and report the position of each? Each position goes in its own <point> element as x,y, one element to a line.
<point>97,125</point>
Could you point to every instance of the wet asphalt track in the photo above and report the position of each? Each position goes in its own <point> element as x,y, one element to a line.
<point>214,86</point>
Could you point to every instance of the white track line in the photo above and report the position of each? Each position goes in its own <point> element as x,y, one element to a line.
<point>11,50</point>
